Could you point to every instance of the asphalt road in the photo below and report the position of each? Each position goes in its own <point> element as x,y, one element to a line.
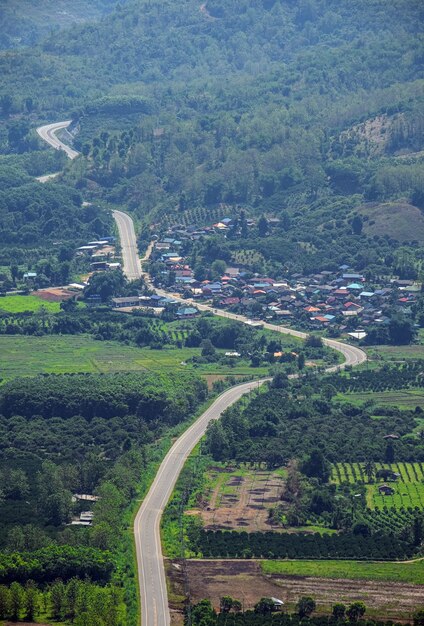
<point>48,133</point>
<point>130,259</point>
<point>151,571</point>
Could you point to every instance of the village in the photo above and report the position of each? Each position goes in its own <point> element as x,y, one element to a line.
<point>340,302</point>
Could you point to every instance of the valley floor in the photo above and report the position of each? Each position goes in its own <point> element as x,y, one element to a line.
<point>246,581</point>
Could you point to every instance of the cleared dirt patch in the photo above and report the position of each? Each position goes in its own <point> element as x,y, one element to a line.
<point>212,378</point>
<point>244,580</point>
<point>240,499</point>
<point>55,294</point>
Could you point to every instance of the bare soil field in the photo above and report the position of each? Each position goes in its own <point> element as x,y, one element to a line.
<point>55,294</point>
<point>240,499</point>
<point>212,378</point>
<point>245,581</point>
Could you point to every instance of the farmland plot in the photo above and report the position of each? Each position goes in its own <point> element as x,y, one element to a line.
<point>408,488</point>
<point>241,499</point>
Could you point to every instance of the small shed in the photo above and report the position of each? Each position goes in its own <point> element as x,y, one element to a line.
<point>386,490</point>
<point>278,604</point>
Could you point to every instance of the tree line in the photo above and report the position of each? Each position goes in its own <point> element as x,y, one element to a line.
<point>82,602</point>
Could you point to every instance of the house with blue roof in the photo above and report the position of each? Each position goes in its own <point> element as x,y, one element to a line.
<point>187,312</point>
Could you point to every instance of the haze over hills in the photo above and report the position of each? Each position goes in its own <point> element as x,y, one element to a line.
<point>269,154</point>
<point>25,22</point>
<point>306,110</point>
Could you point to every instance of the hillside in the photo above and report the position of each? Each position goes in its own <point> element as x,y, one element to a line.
<point>298,111</point>
<point>398,220</point>
<point>24,22</point>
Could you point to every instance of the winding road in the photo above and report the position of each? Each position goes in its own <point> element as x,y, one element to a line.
<point>48,133</point>
<point>151,570</point>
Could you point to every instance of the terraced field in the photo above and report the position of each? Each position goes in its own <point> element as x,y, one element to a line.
<point>408,489</point>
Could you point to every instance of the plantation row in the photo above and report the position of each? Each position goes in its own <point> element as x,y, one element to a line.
<point>406,495</point>
<point>354,473</point>
<point>392,520</point>
<point>388,377</point>
<point>233,544</point>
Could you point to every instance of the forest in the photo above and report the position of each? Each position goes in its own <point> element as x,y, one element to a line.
<point>290,421</point>
<point>79,434</point>
<point>277,126</point>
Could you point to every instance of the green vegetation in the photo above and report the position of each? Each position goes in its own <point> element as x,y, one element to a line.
<point>232,613</point>
<point>88,339</point>
<point>301,426</point>
<point>282,424</point>
<point>405,399</point>
<point>220,100</point>
<point>79,601</point>
<point>26,23</point>
<point>158,345</point>
<point>22,304</point>
<point>233,544</point>
<point>299,111</point>
<point>85,433</point>
<point>397,353</point>
<point>397,572</point>
<point>408,488</point>
<point>41,226</point>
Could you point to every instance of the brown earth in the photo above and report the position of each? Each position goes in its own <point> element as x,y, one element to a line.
<point>244,580</point>
<point>55,294</point>
<point>212,378</point>
<point>245,504</point>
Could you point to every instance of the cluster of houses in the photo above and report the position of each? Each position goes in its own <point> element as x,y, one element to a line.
<point>85,518</point>
<point>155,302</point>
<point>342,299</point>
<point>100,252</point>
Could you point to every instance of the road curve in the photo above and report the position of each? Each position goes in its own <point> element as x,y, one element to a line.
<point>48,133</point>
<point>130,259</point>
<point>151,571</point>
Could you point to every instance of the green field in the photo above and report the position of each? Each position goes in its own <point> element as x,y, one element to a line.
<point>408,489</point>
<point>29,355</point>
<point>403,399</point>
<point>19,304</point>
<point>398,353</point>
<point>397,572</point>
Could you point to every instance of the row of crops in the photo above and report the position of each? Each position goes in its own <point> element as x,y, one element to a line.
<point>408,488</point>
<point>392,520</point>
<point>406,495</point>
<point>235,544</point>
<point>394,376</point>
<point>355,473</point>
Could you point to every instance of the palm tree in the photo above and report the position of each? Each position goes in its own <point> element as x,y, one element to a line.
<point>369,469</point>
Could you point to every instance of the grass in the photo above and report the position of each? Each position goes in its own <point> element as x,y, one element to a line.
<point>20,304</point>
<point>403,399</point>
<point>412,573</point>
<point>29,355</point>
<point>398,353</point>
<point>408,489</point>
